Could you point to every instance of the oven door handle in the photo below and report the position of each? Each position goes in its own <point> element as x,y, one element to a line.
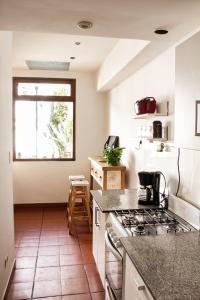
<point>110,294</point>
<point>111,247</point>
<point>96,217</point>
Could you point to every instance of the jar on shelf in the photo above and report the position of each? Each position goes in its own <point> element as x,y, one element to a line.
<point>157,129</point>
<point>149,132</point>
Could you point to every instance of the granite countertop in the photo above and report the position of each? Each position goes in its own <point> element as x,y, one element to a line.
<point>169,264</point>
<point>109,200</point>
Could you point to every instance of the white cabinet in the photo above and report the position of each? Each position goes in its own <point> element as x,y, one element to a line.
<point>133,285</point>
<point>98,244</point>
<point>95,232</point>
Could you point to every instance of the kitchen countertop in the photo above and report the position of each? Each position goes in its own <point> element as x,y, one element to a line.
<point>169,264</point>
<point>110,200</point>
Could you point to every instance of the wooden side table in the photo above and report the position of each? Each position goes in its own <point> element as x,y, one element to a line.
<point>108,177</point>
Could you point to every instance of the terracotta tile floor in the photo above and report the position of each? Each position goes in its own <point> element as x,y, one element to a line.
<point>50,263</point>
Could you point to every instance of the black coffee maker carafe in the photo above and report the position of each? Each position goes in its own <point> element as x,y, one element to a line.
<point>149,190</point>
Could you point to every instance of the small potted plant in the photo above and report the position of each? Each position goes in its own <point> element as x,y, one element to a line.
<point>113,155</point>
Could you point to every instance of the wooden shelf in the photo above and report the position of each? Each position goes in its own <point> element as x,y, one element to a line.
<point>151,139</point>
<point>149,116</point>
<point>156,140</point>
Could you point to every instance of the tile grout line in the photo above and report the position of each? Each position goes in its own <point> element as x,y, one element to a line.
<point>84,266</point>
<point>37,254</point>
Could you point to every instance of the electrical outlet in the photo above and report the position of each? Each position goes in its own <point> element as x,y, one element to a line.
<point>6,262</point>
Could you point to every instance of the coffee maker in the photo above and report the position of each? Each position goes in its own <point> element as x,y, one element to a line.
<point>149,190</point>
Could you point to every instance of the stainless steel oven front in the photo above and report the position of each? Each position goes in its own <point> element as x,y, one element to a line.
<point>134,223</point>
<point>113,270</point>
<point>113,259</point>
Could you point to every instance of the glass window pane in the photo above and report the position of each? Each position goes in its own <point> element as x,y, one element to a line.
<point>43,89</point>
<point>44,129</point>
<point>25,129</point>
<point>55,130</point>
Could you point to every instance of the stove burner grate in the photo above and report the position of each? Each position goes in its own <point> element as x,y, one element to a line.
<point>146,221</point>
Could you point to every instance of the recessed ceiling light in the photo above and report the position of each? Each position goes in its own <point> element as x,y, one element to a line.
<point>161,31</point>
<point>72,57</point>
<point>84,24</point>
<point>77,43</point>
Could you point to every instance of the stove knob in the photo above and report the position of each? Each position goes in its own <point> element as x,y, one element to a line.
<point>118,244</point>
<point>110,230</point>
<point>108,225</point>
<point>113,235</point>
<point>115,239</point>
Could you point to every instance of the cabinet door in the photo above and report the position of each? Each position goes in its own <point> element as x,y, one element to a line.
<point>101,247</point>
<point>134,287</point>
<point>95,233</point>
<point>98,244</point>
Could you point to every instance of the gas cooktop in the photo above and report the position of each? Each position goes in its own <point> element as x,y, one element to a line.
<point>151,221</point>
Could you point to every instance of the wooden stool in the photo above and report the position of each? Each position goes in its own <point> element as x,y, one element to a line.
<point>76,177</point>
<point>78,206</point>
<point>72,178</point>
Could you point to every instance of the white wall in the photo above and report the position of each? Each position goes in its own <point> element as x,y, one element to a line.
<point>187,91</point>
<point>164,77</point>
<point>155,79</point>
<point>36,182</point>
<point>6,197</point>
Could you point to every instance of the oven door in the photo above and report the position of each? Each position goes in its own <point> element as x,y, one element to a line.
<point>113,270</point>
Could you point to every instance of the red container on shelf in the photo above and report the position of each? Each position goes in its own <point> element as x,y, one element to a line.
<point>140,107</point>
<point>145,106</point>
<point>151,105</point>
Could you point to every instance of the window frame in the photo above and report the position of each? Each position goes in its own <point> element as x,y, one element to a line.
<point>71,98</point>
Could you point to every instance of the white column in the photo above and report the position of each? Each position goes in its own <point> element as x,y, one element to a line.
<point>6,191</point>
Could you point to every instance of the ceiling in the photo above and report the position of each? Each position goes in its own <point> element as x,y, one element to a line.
<point>59,47</point>
<point>114,18</point>
<point>130,19</point>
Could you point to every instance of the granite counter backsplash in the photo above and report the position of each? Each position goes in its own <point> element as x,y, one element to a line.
<point>169,264</point>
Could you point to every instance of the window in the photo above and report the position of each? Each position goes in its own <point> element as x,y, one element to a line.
<point>44,119</point>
